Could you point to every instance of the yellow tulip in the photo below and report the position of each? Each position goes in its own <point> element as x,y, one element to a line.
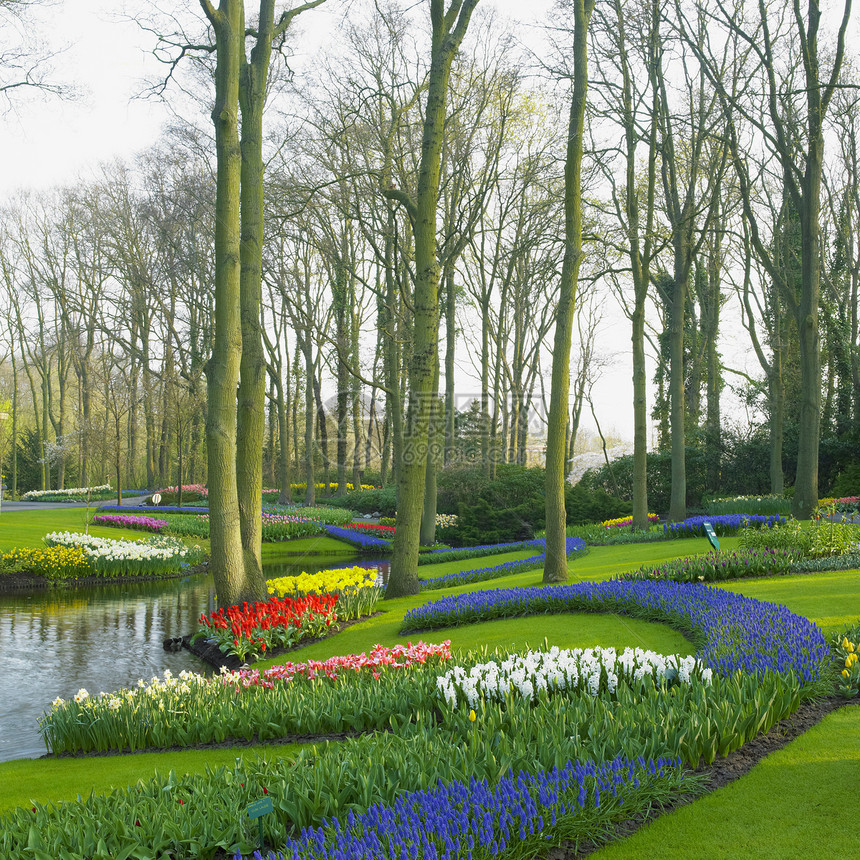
<point>472,717</point>
<point>846,674</point>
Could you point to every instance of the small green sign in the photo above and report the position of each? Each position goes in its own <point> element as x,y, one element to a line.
<point>712,535</point>
<point>261,807</point>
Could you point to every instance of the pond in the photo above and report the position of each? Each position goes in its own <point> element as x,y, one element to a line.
<point>54,642</point>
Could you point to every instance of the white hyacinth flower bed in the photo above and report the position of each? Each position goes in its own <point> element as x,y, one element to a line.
<point>586,670</point>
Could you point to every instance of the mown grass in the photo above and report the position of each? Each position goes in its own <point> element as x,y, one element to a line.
<point>795,803</point>
<point>27,528</point>
<point>44,780</point>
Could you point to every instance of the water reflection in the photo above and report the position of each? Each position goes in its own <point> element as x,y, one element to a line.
<point>55,642</point>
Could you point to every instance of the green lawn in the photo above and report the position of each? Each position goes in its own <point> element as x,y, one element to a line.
<point>20,529</point>
<point>795,803</point>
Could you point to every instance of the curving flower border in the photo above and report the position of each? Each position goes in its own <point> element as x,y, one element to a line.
<point>733,633</point>
<point>574,546</point>
<point>363,542</point>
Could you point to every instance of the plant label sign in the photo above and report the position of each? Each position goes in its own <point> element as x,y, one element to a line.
<point>712,535</point>
<point>259,808</point>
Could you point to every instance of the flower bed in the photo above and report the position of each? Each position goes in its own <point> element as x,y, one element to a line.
<point>846,655</point>
<point>733,632</point>
<point>595,534</point>
<point>247,632</point>
<point>748,505</point>
<point>434,556</point>
<point>55,563</point>
<point>317,513</point>
<point>380,658</point>
<point>153,556</point>
<point>146,524</point>
<point>574,546</point>
<point>626,521</point>
<point>362,542</point>
<point>724,524</point>
<point>444,753</point>
<point>583,671</point>
<point>720,565</point>
<point>463,817</point>
<point>373,528</point>
<point>317,697</point>
<point>355,588</point>
<point>70,494</point>
<point>148,509</point>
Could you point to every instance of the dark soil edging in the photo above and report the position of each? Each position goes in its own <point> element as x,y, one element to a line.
<point>719,774</point>
<point>23,581</point>
<point>212,654</point>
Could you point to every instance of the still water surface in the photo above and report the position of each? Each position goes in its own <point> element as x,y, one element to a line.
<point>54,642</point>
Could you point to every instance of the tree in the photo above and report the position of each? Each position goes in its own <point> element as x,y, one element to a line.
<point>448,29</point>
<point>629,32</point>
<point>789,121</point>
<point>555,568</point>
<point>25,64</point>
<point>222,369</point>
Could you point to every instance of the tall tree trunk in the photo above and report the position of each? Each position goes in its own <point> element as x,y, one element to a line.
<point>555,567</point>
<point>251,418</point>
<point>310,415</point>
<point>449,28</point>
<point>222,369</point>
<point>450,343</point>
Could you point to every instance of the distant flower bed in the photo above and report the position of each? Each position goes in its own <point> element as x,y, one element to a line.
<point>317,513</point>
<point>153,556</point>
<point>727,524</point>
<point>199,489</point>
<point>362,542</point>
<point>248,632</point>
<point>574,547</point>
<point>147,509</point>
<point>73,494</point>
<point>373,528</point>
<point>332,487</point>
<point>722,565</point>
<point>848,505</point>
<point>748,505</point>
<point>434,556</point>
<point>54,563</point>
<point>627,521</point>
<point>146,524</point>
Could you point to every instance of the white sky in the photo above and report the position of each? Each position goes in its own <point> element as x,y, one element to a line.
<point>45,143</point>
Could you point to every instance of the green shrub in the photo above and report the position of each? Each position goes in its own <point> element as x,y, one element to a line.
<point>585,506</point>
<point>482,523</point>
<point>383,500</point>
<point>847,481</point>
